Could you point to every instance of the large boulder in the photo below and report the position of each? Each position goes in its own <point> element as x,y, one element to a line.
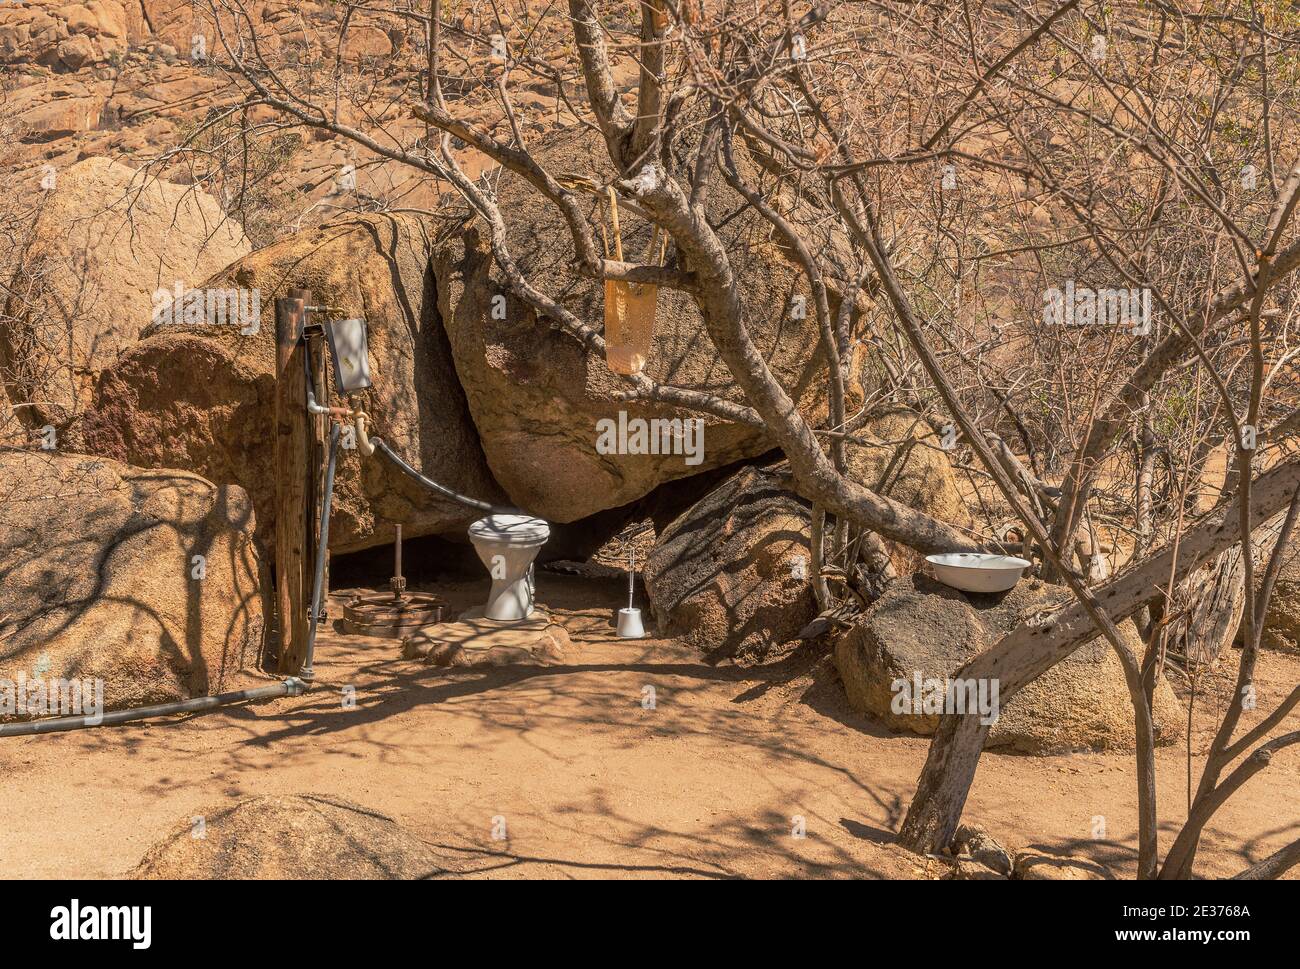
<point>105,240</point>
<point>297,836</point>
<point>202,396</point>
<point>920,629</point>
<point>41,31</point>
<point>730,571</point>
<point>1282,622</point>
<point>538,396</point>
<point>897,454</point>
<point>99,578</point>
<point>730,575</point>
<point>903,458</point>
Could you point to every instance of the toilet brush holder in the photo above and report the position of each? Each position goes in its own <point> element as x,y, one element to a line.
<point>629,624</point>
<point>629,619</point>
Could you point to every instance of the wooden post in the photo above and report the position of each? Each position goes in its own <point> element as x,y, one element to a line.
<point>292,468</point>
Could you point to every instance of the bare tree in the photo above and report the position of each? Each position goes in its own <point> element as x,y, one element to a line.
<point>966,188</point>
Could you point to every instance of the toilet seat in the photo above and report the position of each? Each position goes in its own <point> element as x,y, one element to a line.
<point>510,530</point>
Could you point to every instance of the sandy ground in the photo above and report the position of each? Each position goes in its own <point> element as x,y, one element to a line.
<point>589,782</point>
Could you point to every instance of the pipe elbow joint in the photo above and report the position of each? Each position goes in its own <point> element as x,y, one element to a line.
<point>312,406</point>
<point>364,444</point>
<point>294,686</point>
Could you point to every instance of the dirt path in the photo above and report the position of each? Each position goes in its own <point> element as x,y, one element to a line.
<point>590,784</point>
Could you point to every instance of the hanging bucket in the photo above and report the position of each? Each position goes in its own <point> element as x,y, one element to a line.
<point>629,324</point>
<point>629,309</point>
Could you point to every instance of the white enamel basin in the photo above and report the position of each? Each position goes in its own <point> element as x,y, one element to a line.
<point>977,571</point>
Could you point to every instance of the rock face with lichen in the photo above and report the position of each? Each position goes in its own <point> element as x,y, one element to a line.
<point>730,574</point>
<point>65,36</point>
<point>922,629</point>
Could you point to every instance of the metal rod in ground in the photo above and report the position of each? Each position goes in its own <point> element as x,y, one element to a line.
<point>322,551</point>
<point>398,583</point>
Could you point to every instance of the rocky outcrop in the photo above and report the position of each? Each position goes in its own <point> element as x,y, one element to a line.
<point>146,580</point>
<point>64,36</point>
<point>730,575</point>
<point>537,396</point>
<point>67,36</point>
<point>105,240</point>
<point>297,836</point>
<point>921,632</point>
<point>59,107</point>
<point>202,396</point>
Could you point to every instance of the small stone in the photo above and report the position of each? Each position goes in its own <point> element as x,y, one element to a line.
<point>966,870</point>
<point>974,841</point>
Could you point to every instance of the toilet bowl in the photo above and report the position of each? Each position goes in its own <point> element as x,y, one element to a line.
<point>507,545</point>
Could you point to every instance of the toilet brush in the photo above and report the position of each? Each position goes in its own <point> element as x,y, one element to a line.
<point>629,619</point>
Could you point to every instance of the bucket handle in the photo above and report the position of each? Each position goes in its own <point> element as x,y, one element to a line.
<point>658,239</point>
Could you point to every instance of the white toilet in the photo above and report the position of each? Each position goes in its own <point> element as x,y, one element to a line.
<point>507,545</point>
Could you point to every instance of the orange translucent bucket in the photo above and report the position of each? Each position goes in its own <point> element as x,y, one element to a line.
<point>629,324</point>
<point>630,309</point>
